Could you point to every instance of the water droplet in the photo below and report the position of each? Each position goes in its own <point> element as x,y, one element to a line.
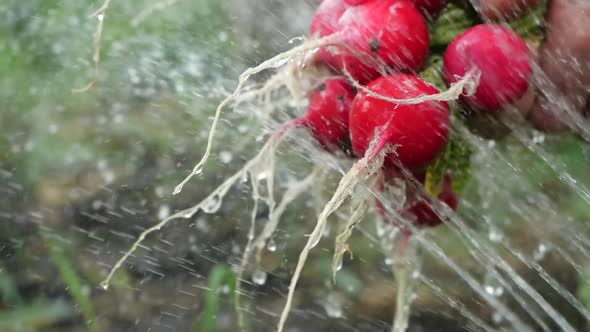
<point>489,289</point>
<point>198,170</point>
<point>259,277</point>
<point>495,235</point>
<point>163,212</point>
<point>339,264</point>
<point>53,128</point>
<point>159,191</point>
<point>212,205</point>
<point>540,252</point>
<point>262,175</point>
<point>245,177</point>
<point>222,36</point>
<point>243,129</point>
<point>296,39</point>
<point>202,225</point>
<point>226,157</point>
<point>271,245</point>
<point>327,231</point>
<point>497,318</point>
<point>100,17</point>
<point>224,289</point>
<point>108,176</point>
<point>187,214</point>
<point>96,204</point>
<point>539,138</point>
<point>315,240</point>
<point>333,306</point>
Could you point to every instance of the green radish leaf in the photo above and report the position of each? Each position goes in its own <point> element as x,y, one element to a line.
<point>432,73</point>
<point>456,159</point>
<point>453,20</point>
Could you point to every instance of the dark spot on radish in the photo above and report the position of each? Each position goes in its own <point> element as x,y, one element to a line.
<point>328,112</point>
<point>374,45</point>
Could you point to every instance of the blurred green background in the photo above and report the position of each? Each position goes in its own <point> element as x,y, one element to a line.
<point>81,174</point>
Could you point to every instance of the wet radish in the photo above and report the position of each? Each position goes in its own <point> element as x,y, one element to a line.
<point>421,212</point>
<point>373,37</point>
<point>503,59</point>
<point>328,113</point>
<point>418,131</point>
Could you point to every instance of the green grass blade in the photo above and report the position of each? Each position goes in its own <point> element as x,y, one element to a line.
<point>34,315</point>
<point>74,283</point>
<point>220,276</point>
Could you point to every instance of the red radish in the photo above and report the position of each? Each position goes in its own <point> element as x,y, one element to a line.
<point>431,8</point>
<point>372,37</point>
<point>355,2</point>
<point>419,131</point>
<point>326,17</point>
<point>505,62</point>
<point>328,113</point>
<point>422,211</point>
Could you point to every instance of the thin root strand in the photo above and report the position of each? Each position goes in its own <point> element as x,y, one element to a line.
<point>100,15</point>
<point>466,85</point>
<point>213,199</point>
<point>341,245</point>
<point>273,63</point>
<point>359,172</point>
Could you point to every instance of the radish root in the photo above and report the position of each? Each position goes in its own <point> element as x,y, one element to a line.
<point>466,85</point>
<point>100,15</point>
<point>341,245</point>
<point>213,201</point>
<point>154,7</point>
<point>359,172</point>
<point>402,273</point>
<point>248,249</point>
<point>290,195</point>
<point>273,63</point>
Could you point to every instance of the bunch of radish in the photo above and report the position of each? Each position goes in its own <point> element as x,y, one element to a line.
<point>359,76</point>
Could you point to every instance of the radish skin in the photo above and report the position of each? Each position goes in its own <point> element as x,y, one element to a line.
<point>503,58</point>
<point>376,37</point>
<point>420,131</point>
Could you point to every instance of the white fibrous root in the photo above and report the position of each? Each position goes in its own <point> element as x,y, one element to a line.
<point>100,15</point>
<point>359,173</point>
<point>261,166</point>
<point>341,246</point>
<point>289,196</point>
<point>276,62</point>
<point>465,86</point>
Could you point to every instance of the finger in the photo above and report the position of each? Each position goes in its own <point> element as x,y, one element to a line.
<point>565,78</point>
<point>501,10</point>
